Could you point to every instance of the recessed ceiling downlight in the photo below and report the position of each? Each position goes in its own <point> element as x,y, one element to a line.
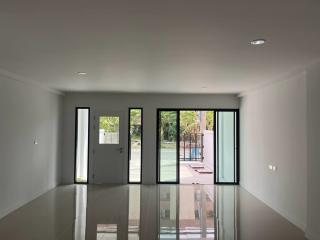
<point>82,73</point>
<point>257,42</point>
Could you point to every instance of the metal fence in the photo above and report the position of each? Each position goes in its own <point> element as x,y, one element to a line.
<point>191,147</point>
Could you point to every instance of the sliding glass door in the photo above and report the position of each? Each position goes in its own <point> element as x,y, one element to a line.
<point>226,146</point>
<point>168,147</point>
<point>224,160</point>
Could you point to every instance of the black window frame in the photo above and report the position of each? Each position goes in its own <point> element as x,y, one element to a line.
<point>75,145</point>
<point>236,145</point>
<point>159,110</point>
<point>129,144</point>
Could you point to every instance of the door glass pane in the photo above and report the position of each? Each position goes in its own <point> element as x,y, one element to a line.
<point>135,145</point>
<point>226,140</point>
<point>82,145</point>
<point>168,146</point>
<point>109,129</point>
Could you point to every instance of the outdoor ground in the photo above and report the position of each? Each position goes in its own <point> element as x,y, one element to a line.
<point>188,175</point>
<point>191,176</point>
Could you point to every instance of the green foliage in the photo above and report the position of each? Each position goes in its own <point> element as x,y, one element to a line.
<point>109,124</point>
<point>135,123</point>
<point>189,122</point>
<point>168,126</point>
<point>135,116</point>
<point>209,120</point>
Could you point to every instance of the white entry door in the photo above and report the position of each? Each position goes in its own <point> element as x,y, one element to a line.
<point>108,147</point>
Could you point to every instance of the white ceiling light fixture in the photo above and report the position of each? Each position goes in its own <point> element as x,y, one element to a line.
<point>258,42</point>
<point>82,73</point>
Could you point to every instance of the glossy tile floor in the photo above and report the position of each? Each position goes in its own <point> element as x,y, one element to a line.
<point>147,212</point>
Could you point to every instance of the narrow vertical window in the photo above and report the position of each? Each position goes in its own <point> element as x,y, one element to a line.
<point>82,145</point>
<point>226,145</point>
<point>135,144</point>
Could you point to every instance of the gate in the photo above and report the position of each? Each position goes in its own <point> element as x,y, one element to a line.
<point>191,147</point>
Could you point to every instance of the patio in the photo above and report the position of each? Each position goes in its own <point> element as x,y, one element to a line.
<point>192,175</point>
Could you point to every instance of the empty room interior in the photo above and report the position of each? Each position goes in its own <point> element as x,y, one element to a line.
<point>146,120</point>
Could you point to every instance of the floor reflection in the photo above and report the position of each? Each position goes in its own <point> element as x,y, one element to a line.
<point>147,212</point>
<point>196,212</point>
<point>182,212</point>
<point>134,213</point>
<point>80,212</point>
<point>186,212</point>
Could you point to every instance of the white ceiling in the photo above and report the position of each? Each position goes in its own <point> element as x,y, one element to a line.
<point>157,45</point>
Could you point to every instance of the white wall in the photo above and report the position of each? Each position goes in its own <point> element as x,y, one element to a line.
<point>121,102</point>
<point>273,131</point>
<point>27,170</point>
<point>313,116</point>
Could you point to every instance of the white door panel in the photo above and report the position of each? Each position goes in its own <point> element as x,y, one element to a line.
<point>108,144</point>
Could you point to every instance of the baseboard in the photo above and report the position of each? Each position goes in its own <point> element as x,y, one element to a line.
<point>298,223</point>
<point>20,204</point>
<point>312,235</point>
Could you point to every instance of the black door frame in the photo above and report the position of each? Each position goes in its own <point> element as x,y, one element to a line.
<point>159,110</point>
<point>237,151</point>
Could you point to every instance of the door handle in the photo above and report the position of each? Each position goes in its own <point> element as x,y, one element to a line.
<point>120,150</point>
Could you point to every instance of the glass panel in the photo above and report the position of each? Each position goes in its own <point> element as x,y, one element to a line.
<point>135,147</point>
<point>226,147</point>
<point>168,146</point>
<point>82,143</point>
<point>109,130</point>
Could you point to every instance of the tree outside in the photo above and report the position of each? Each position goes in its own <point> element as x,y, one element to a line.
<point>109,124</point>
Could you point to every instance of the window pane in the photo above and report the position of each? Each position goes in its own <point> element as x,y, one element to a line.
<point>135,147</point>
<point>168,146</point>
<point>226,146</point>
<point>82,143</point>
<point>109,130</point>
